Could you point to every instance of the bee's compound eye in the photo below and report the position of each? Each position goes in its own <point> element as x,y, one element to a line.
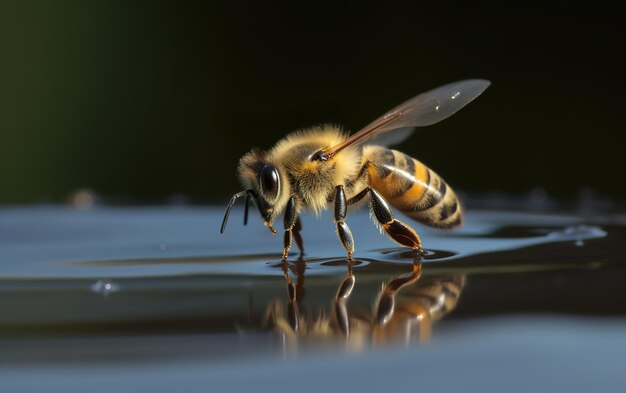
<point>269,181</point>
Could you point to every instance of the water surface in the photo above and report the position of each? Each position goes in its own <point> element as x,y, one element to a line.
<point>125,292</point>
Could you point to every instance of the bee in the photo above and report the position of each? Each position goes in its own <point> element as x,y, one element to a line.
<point>323,168</point>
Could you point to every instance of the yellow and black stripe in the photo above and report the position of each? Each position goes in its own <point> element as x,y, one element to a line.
<point>413,188</point>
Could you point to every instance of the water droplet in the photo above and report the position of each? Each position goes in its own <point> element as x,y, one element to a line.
<point>578,233</point>
<point>105,287</point>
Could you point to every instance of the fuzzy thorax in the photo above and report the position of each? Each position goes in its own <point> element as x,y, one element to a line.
<point>312,182</point>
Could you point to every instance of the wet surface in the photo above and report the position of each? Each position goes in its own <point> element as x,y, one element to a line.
<point>160,287</point>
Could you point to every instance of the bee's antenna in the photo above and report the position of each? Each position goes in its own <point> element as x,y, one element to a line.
<point>230,206</point>
<point>245,211</point>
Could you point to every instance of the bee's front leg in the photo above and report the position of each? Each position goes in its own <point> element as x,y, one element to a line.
<point>292,224</point>
<point>343,230</point>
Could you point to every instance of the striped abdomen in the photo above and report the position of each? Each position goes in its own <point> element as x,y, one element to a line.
<point>413,188</point>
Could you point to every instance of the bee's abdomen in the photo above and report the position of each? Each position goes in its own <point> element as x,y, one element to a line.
<point>413,188</point>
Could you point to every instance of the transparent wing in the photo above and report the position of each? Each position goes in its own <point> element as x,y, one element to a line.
<point>423,110</point>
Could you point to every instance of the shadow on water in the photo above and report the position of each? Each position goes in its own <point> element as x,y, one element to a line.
<point>162,293</point>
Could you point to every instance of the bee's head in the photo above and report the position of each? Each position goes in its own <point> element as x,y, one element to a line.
<point>265,186</point>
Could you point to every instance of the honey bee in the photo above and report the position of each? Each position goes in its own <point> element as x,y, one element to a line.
<point>321,168</point>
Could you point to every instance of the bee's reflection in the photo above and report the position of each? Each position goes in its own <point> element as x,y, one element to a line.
<point>405,309</point>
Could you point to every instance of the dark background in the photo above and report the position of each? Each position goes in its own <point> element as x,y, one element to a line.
<point>143,100</point>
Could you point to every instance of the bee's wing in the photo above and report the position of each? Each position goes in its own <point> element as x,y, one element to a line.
<point>423,110</point>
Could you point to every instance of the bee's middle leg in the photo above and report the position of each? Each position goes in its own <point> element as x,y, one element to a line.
<point>292,228</point>
<point>298,237</point>
<point>343,230</point>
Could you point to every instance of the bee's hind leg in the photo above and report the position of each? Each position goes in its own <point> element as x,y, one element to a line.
<point>343,230</point>
<point>399,231</point>
<point>292,228</point>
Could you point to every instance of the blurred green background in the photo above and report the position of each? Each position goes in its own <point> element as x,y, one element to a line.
<point>143,100</point>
